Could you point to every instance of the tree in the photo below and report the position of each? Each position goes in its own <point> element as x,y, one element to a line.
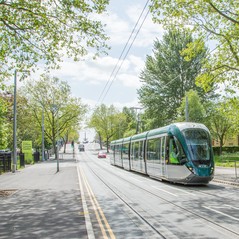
<point>71,134</point>
<point>167,76</point>
<point>130,126</point>
<point>214,21</point>
<point>5,119</point>
<point>28,127</point>
<point>61,110</point>
<point>45,31</point>
<point>196,111</point>
<point>107,122</point>
<point>220,122</point>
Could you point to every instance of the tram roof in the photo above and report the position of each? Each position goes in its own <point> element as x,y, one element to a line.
<point>163,130</point>
<point>139,136</point>
<point>157,131</point>
<point>190,125</point>
<point>116,141</point>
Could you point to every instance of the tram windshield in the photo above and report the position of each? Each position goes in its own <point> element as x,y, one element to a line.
<point>198,144</point>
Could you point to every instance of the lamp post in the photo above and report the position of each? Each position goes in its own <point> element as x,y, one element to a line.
<point>14,160</point>
<point>14,156</point>
<point>186,110</point>
<point>137,117</point>
<point>43,146</point>
<point>55,110</point>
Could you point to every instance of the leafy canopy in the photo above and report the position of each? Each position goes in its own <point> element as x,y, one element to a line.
<point>217,22</point>
<point>196,111</point>
<point>62,112</point>
<point>167,76</point>
<point>46,30</point>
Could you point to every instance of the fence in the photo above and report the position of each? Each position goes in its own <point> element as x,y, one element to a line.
<point>228,169</point>
<point>5,161</point>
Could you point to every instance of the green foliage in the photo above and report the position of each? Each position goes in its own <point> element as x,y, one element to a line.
<point>233,105</point>
<point>131,122</point>
<point>219,121</point>
<point>45,31</point>
<point>168,76</point>
<point>196,111</point>
<point>62,112</point>
<point>5,120</point>
<point>108,122</point>
<point>216,22</point>
<point>228,152</point>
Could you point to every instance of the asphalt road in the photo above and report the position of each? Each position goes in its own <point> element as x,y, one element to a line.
<point>89,198</point>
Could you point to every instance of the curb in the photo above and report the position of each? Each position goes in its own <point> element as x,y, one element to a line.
<point>226,182</point>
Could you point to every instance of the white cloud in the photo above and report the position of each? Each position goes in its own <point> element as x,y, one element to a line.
<point>149,30</point>
<point>87,78</point>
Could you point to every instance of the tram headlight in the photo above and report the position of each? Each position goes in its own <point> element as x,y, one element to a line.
<point>191,169</point>
<point>212,170</point>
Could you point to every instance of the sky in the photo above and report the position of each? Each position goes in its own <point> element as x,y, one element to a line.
<point>88,78</point>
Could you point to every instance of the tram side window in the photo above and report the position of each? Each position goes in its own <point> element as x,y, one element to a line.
<point>134,150</point>
<point>125,151</point>
<point>176,153</point>
<point>137,150</point>
<point>112,151</point>
<point>117,152</point>
<point>153,149</point>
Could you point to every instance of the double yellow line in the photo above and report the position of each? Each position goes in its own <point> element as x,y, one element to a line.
<point>102,221</point>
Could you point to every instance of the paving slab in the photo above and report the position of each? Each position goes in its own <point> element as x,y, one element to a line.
<point>37,202</point>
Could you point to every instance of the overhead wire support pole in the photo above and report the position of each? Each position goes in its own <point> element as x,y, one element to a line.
<point>186,110</point>
<point>43,145</point>
<point>14,160</point>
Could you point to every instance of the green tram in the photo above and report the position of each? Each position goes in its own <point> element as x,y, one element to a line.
<point>178,153</point>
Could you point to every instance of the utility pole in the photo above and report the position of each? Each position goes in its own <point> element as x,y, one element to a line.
<point>14,154</point>
<point>186,110</point>
<point>137,117</point>
<point>55,109</point>
<point>43,145</point>
<point>14,160</point>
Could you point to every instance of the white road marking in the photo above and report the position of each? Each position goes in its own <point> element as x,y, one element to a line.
<point>214,210</point>
<point>160,189</point>
<point>89,227</point>
<point>181,190</point>
<point>136,179</point>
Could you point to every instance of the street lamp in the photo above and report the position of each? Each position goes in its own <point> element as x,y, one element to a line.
<point>43,146</point>
<point>55,110</point>
<point>14,159</point>
<point>137,117</point>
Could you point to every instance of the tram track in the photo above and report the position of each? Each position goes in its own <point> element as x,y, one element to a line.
<point>127,202</point>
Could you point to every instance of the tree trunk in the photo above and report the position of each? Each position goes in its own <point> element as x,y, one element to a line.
<point>221,144</point>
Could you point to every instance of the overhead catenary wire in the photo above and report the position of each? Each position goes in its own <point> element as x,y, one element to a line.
<point>115,72</point>
<point>110,80</point>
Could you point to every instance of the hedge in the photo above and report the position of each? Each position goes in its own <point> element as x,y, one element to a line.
<point>225,149</point>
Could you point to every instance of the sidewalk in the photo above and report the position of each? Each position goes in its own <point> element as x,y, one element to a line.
<point>43,203</point>
<point>227,175</point>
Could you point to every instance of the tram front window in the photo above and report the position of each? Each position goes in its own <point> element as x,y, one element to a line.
<point>198,144</point>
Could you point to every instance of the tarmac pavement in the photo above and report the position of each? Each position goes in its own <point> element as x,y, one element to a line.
<point>38,202</point>
<point>43,203</point>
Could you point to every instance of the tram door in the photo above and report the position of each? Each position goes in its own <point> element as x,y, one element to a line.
<point>163,157</point>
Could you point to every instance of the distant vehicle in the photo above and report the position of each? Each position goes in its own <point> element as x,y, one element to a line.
<point>101,155</point>
<point>81,147</point>
<point>178,153</point>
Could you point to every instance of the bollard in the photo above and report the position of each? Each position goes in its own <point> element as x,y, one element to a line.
<point>22,159</point>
